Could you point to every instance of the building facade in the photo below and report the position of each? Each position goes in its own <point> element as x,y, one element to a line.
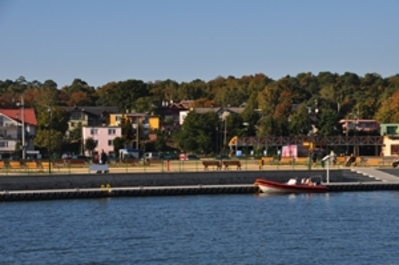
<point>17,128</point>
<point>103,136</point>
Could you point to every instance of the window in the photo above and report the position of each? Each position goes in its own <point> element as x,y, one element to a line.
<point>96,142</point>
<point>93,131</point>
<point>3,144</point>
<point>391,129</point>
<point>76,115</point>
<point>394,149</point>
<point>110,142</point>
<point>111,131</point>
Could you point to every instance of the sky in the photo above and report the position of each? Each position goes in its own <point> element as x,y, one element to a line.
<point>101,41</point>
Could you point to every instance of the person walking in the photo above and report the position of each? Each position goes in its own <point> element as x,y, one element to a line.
<point>103,159</point>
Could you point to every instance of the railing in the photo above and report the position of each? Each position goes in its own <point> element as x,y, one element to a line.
<point>138,166</point>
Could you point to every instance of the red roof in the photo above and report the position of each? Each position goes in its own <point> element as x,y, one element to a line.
<point>15,114</point>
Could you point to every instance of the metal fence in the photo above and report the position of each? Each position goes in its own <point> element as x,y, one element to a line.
<point>53,168</point>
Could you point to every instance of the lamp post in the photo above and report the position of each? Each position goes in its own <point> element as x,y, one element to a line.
<point>217,140</point>
<point>356,151</point>
<point>246,124</point>
<point>312,115</point>
<point>225,133</point>
<point>49,138</point>
<point>22,105</point>
<point>81,131</point>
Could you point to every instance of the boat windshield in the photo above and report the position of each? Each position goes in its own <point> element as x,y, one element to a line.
<point>292,182</point>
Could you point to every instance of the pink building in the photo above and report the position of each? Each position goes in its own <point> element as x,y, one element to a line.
<point>103,135</point>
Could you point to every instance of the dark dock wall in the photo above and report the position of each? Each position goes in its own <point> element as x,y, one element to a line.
<point>39,182</point>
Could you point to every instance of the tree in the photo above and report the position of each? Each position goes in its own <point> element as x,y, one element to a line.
<point>90,144</point>
<point>160,142</point>
<point>118,144</point>
<point>128,92</point>
<point>128,132</point>
<point>44,137</point>
<point>76,133</point>
<point>198,132</point>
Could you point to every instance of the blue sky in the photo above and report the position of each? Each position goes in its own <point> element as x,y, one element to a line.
<point>104,41</point>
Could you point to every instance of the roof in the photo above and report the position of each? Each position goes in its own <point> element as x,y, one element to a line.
<point>97,111</point>
<point>358,121</point>
<point>219,109</point>
<point>15,114</point>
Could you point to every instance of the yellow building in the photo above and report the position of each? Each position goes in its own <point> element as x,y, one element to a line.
<point>150,122</point>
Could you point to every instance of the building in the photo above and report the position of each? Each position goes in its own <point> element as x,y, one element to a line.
<point>391,129</point>
<point>103,136</point>
<point>149,122</point>
<point>390,132</point>
<point>12,124</point>
<point>360,125</point>
<point>89,116</point>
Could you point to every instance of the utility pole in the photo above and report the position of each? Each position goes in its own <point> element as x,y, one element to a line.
<point>23,127</point>
<point>138,133</point>
<point>21,104</point>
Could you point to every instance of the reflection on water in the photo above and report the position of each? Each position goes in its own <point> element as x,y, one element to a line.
<point>328,228</point>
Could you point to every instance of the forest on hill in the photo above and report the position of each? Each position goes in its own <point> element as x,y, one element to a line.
<point>287,106</point>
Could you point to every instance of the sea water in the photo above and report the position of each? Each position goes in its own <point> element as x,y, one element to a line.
<point>331,228</point>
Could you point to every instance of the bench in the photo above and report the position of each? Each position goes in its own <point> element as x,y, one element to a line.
<point>266,160</point>
<point>154,161</point>
<point>44,165</point>
<point>286,160</point>
<point>77,163</point>
<point>384,161</point>
<point>303,160</point>
<point>129,161</point>
<point>228,163</point>
<point>214,163</point>
<point>31,165</point>
<point>14,165</point>
<point>341,160</point>
<point>362,161</point>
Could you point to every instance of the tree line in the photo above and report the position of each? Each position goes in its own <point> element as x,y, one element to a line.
<point>291,105</point>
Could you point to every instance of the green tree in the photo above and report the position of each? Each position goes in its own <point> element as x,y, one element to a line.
<point>118,144</point>
<point>44,138</point>
<point>128,92</point>
<point>198,133</point>
<point>161,140</point>
<point>90,144</point>
<point>128,132</point>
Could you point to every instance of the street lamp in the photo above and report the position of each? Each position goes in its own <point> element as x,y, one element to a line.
<point>49,138</point>
<point>217,140</point>
<point>81,131</point>
<point>246,124</point>
<point>22,106</point>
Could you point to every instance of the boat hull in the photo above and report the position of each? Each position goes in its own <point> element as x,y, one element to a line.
<point>267,186</point>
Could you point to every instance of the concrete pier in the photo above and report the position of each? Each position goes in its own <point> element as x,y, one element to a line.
<point>17,188</point>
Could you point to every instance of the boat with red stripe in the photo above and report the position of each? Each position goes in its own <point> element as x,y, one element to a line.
<point>292,186</point>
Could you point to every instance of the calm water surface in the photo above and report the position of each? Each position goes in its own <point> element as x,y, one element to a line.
<point>338,228</point>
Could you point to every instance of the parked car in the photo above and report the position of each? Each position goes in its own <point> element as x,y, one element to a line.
<point>192,157</point>
<point>81,157</point>
<point>170,156</point>
<point>222,157</point>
